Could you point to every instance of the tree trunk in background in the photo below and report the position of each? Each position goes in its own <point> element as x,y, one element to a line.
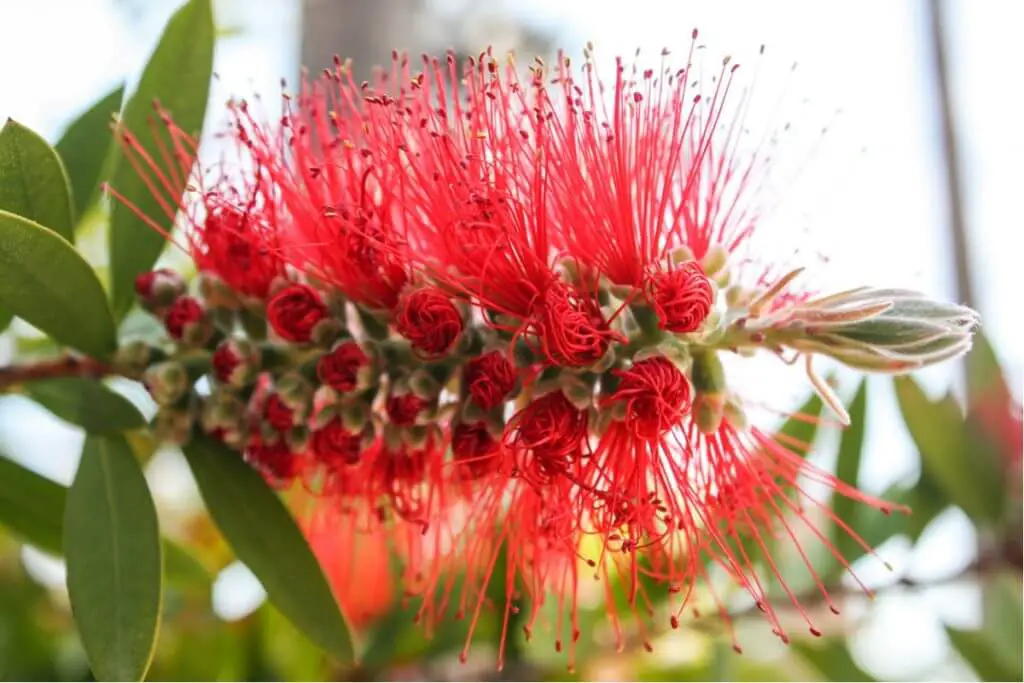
<point>364,30</point>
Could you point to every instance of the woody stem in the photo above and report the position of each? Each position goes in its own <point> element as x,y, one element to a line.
<point>68,366</point>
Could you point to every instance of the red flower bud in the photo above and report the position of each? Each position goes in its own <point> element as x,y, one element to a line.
<point>234,362</point>
<point>275,459</point>
<point>335,446</point>
<point>295,311</point>
<point>490,379</point>
<point>157,289</point>
<point>682,298</point>
<point>656,394</point>
<point>403,409</point>
<point>278,414</point>
<point>573,331</point>
<point>339,369</point>
<point>429,320</point>
<point>552,427</point>
<point>184,313</point>
<point>475,450</point>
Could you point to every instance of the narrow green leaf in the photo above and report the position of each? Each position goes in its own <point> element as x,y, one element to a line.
<point>33,183</point>
<point>1004,620</point>
<point>798,432</point>
<point>985,374</point>
<point>85,147</point>
<point>264,536</point>
<point>286,651</point>
<point>851,444</point>
<point>832,659</point>
<point>5,319</point>
<point>48,284</point>
<point>178,76</point>
<point>86,402</point>
<point>31,506</point>
<point>976,651</point>
<point>938,429</point>
<point>112,547</point>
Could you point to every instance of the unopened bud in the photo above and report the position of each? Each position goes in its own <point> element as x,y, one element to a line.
<point>423,384</point>
<point>167,382</point>
<point>580,394</point>
<point>158,289</point>
<point>172,426</point>
<point>133,358</point>
<point>708,411</point>
<point>355,417</point>
<point>222,411</point>
<point>188,322</point>
<point>714,260</point>
<point>326,332</point>
<point>217,293</point>
<point>236,362</point>
<point>681,255</point>
<point>295,391</point>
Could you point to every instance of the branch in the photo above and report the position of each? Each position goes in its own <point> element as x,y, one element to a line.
<point>68,366</point>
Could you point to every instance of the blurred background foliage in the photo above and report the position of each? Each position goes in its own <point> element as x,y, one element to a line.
<point>957,557</point>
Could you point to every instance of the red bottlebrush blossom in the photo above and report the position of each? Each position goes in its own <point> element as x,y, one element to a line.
<point>335,446</point>
<point>551,432</point>
<point>274,459</point>
<point>572,329</point>
<point>429,320</point>
<point>233,245</point>
<point>226,360</point>
<point>232,223</point>
<point>544,204</point>
<point>294,312</point>
<point>490,378</point>
<point>475,449</point>
<point>339,369</point>
<point>656,396</point>
<point>404,409</point>
<point>278,414</point>
<point>681,297</point>
<point>185,312</point>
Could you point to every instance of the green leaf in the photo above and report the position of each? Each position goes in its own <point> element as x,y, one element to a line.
<point>264,536</point>
<point>5,319</point>
<point>112,546</point>
<point>1004,621</point>
<point>798,432</point>
<point>939,431</point>
<point>178,76</point>
<point>851,444</point>
<point>977,651</point>
<point>832,659</point>
<point>33,183</point>
<point>85,147</point>
<point>48,284</point>
<point>985,375</point>
<point>287,652</point>
<point>86,402</point>
<point>31,506</point>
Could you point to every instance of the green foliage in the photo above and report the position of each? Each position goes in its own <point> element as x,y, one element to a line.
<point>33,183</point>
<point>31,506</point>
<point>178,77</point>
<point>112,546</point>
<point>85,148</point>
<point>265,537</point>
<point>87,403</point>
<point>851,445</point>
<point>937,428</point>
<point>832,659</point>
<point>48,284</point>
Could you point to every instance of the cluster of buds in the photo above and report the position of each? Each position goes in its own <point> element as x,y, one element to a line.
<point>499,320</point>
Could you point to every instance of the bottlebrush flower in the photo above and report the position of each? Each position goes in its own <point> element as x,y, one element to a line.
<point>599,233</point>
<point>231,222</point>
<point>429,320</point>
<point>342,367</point>
<point>295,311</point>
